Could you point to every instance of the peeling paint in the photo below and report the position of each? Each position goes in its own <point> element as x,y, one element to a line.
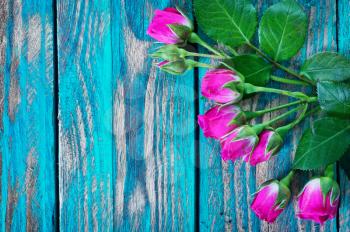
<point>3,43</point>
<point>136,206</point>
<point>18,30</point>
<point>30,188</point>
<point>148,146</point>
<point>14,97</point>
<point>136,52</point>
<point>34,37</point>
<point>49,53</point>
<point>0,177</point>
<point>12,200</point>
<point>120,143</point>
<point>17,39</point>
<point>82,139</point>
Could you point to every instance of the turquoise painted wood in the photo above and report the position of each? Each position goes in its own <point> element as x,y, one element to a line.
<point>85,110</point>
<point>224,189</point>
<point>107,133</point>
<point>27,150</point>
<point>344,48</point>
<point>126,134</point>
<point>153,129</point>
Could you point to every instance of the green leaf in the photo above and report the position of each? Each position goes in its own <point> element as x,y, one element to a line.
<point>232,22</point>
<point>255,69</point>
<point>334,97</point>
<point>345,163</point>
<point>326,185</point>
<point>326,66</point>
<point>283,30</point>
<point>324,143</point>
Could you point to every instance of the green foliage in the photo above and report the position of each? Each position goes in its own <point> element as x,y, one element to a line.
<point>334,97</point>
<point>283,30</point>
<point>322,144</point>
<point>255,69</point>
<point>282,33</point>
<point>232,22</point>
<point>329,185</point>
<point>326,66</point>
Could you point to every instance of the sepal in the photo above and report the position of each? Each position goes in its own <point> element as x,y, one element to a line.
<point>240,119</point>
<point>283,193</point>
<point>329,185</point>
<point>283,196</point>
<point>181,31</point>
<point>245,132</point>
<point>275,143</point>
<point>235,87</point>
<point>176,67</point>
<point>184,15</point>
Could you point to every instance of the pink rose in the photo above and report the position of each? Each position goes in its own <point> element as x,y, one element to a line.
<point>217,121</point>
<point>219,85</point>
<point>239,143</point>
<point>163,24</point>
<point>319,200</point>
<point>270,200</point>
<point>269,144</point>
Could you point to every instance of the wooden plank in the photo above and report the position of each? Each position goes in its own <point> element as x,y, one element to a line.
<point>344,48</point>
<point>27,151</point>
<point>85,110</point>
<point>226,188</point>
<point>321,37</point>
<point>153,127</point>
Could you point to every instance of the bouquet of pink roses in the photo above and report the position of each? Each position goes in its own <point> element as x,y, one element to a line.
<point>282,31</point>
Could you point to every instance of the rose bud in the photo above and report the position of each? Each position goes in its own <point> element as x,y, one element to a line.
<point>218,121</point>
<point>269,144</point>
<point>220,85</point>
<point>319,200</point>
<point>170,26</point>
<point>176,67</point>
<point>170,53</point>
<point>270,200</point>
<point>239,143</point>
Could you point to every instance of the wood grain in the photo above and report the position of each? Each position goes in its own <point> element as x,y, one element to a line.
<point>344,48</point>
<point>321,37</point>
<point>85,109</point>
<point>153,126</point>
<point>226,188</point>
<point>127,132</point>
<point>27,158</point>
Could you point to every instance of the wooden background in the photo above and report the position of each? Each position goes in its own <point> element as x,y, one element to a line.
<point>94,138</point>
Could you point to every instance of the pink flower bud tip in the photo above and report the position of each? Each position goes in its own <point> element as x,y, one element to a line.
<point>319,200</point>
<point>162,63</point>
<point>269,144</point>
<point>270,200</point>
<point>218,85</point>
<point>238,144</point>
<point>217,121</point>
<point>159,28</point>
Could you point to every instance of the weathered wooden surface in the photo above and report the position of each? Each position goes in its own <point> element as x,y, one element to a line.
<point>127,133</point>
<point>27,153</point>
<point>85,109</point>
<point>153,129</point>
<point>116,164</point>
<point>225,188</point>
